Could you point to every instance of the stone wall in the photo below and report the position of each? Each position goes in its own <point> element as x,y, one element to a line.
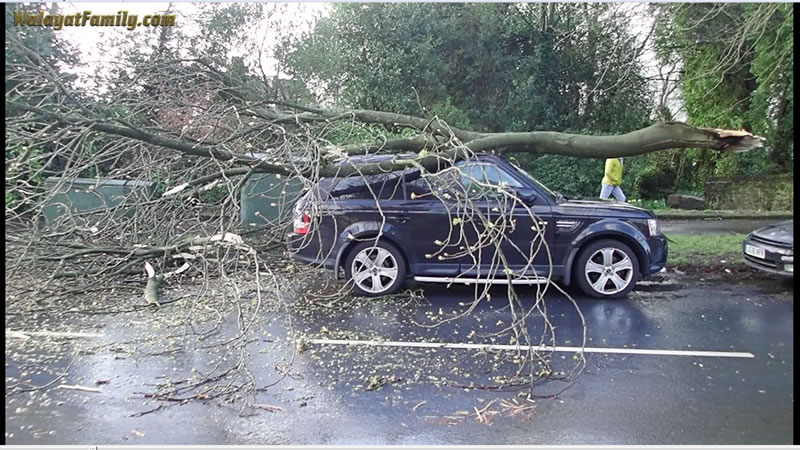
<point>761,193</point>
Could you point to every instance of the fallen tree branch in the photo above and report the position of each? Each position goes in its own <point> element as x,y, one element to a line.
<point>659,136</point>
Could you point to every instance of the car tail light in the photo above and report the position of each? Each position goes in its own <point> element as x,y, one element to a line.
<point>302,222</point>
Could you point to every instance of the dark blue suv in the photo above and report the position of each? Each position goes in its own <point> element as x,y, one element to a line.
<point>382,230</point>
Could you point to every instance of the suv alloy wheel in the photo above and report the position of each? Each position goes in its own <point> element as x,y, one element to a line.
<point>375,268</point>
<point>606,269</point>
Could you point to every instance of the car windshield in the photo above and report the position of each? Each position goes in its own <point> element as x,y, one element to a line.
<point>553,194</point>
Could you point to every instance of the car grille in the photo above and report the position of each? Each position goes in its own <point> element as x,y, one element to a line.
<point>770,242</point>
<point>761,262</point>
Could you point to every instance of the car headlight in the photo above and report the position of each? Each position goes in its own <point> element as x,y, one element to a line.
<point>652,226</point>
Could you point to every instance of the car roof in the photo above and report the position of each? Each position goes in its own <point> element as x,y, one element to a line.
<point>371,159</point>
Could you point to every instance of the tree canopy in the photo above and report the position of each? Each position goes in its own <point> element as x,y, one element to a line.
<point>493,67</point>
<point>565,67</point>
<point>737,71</point>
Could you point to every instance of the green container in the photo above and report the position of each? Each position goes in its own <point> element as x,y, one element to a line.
<point>83,195</point>
<point>267,199</point>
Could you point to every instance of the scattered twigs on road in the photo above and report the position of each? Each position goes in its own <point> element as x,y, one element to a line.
<point>269,408</point>
<point>515,407</point>
<point>143,413</point>
<point>52,382</point>
<point>479,413</point>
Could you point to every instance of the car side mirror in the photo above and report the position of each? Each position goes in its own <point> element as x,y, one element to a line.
<point>527,195</point>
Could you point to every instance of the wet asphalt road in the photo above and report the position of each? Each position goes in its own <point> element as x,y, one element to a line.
<point>619,399</point>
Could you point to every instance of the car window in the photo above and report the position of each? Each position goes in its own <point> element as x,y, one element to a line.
<point>433,186</point>
<point>480,173</point>
<point>482,180</point>
<point>419,188</point>
<point>386,186</point>
<point>544,188</point>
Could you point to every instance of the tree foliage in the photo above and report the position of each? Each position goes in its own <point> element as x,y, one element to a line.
<point>493,67</point>
<point>40,40</point>
<point>40,49</point>
<point>737,61</point>
<point>567,67</point>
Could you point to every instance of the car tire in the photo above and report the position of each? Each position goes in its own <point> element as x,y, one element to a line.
<point>618,277</point>
<point>375,268</point>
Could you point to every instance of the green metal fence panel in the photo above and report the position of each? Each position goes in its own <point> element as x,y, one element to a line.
<point>268,199</point>
<point>265,199</point>
<point>86,195</point>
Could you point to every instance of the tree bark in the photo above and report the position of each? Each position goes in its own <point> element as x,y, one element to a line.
<point>659,136</point>
<point>441,141</point>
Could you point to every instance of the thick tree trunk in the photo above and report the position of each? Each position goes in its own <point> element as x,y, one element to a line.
<point>439,141</point>
<point>660,136</point>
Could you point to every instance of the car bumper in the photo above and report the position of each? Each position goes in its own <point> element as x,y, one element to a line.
<point>306,254</point>
<point>658,253</point>
<point>777,260</point>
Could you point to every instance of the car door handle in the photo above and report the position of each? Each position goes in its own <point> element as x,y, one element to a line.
<point>399,218</point>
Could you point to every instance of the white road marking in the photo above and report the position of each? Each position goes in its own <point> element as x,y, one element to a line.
<point>627,351</point>
<point>27,334</point>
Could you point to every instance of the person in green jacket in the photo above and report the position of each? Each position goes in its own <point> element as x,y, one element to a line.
<point>612,180</point>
